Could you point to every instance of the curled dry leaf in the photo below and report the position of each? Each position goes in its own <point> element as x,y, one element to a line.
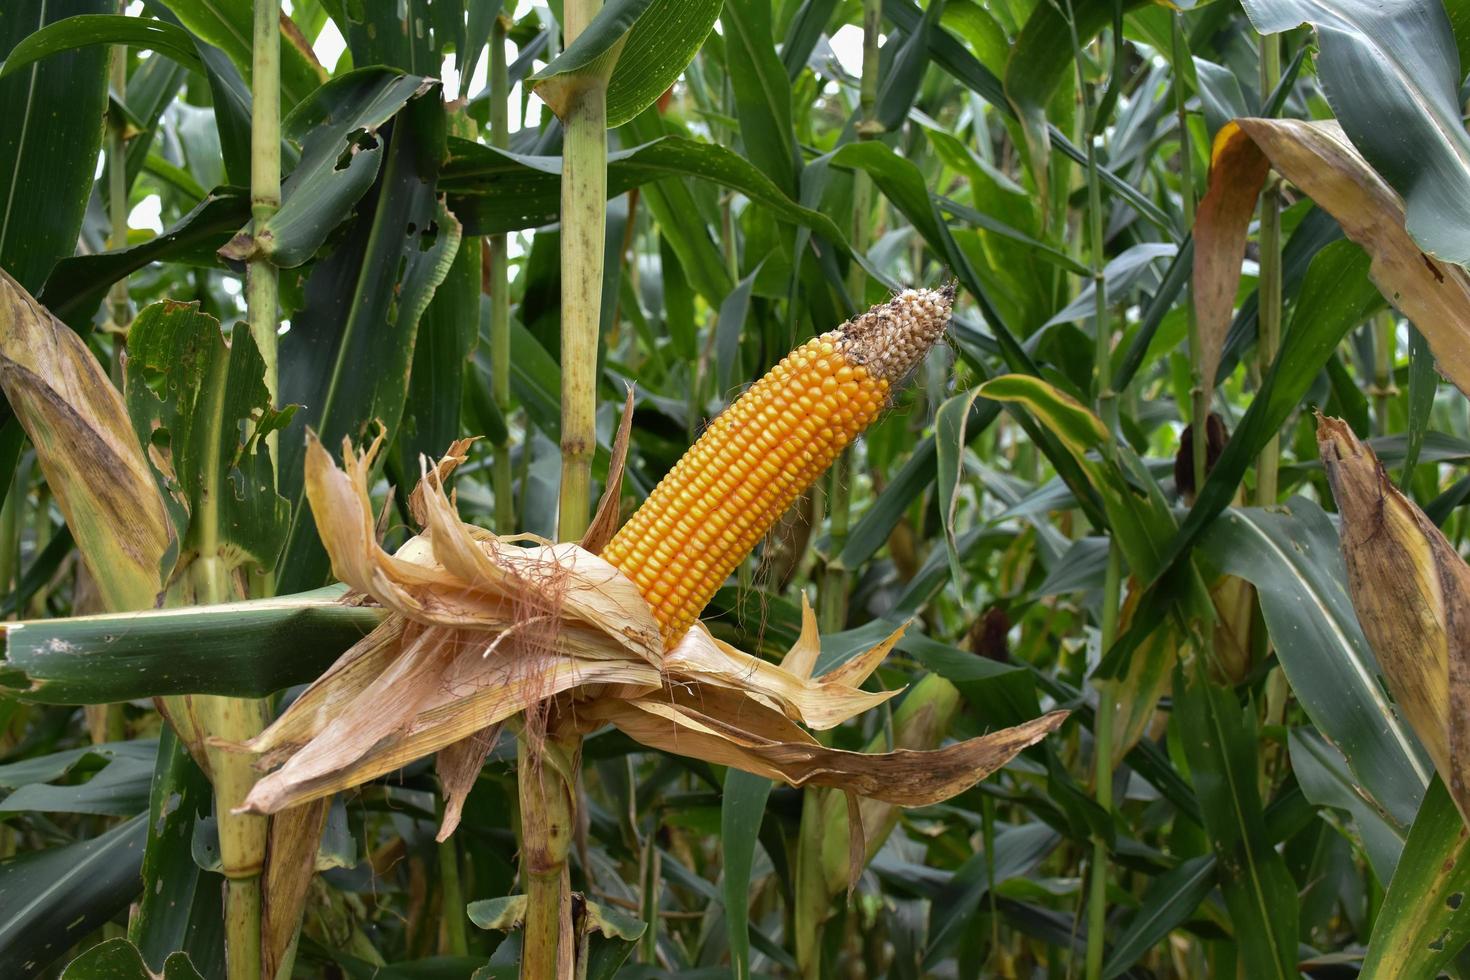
<point>486,628</point>
<point>1323,163</point>
<point>1411,590</point>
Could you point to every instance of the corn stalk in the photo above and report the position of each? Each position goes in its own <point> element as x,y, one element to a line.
<point>117,186</point>
<point>243,837</point>
<point>499,285</point>
<point>1268,341</point>
<point>547,771</point>
<point>1199,393</point>
<point>583,223</point>
<point>1107,411</point>
<point>832,599</point>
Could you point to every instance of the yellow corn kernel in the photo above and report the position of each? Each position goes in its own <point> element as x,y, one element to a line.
<point>770,445</point>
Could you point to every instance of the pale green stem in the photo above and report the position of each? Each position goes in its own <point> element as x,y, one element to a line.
<point>1385,346</point>
<point>832,593</point>
<point>454,939</point>
<point>650,873</point>
<point>1102,750</point>
<point>42,537</point>
<point>505,508</point>
<point>117,188</point>
<point>1103,336</point>
<point>583,223</point>
<point>547,780</point>
<point>1269,321</point>
<point>262,295</point>
<point>242,837</point>
<point>262,283</point>
<point>10,515</point>
<point>548,818</point>
<point>1200,392</point>
<point>1107,411</point>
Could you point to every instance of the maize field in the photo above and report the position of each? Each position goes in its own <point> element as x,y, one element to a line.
<point>856,489</point>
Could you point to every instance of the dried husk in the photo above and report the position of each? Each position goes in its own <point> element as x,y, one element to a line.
<point>485,629</point>
<point>1411,590</point>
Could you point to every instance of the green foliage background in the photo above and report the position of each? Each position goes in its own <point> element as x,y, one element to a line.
<point>1255,806</point>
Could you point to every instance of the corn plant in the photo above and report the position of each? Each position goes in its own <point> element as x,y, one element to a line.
<point>755,488</point>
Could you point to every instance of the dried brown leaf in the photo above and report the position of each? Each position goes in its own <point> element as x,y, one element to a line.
<point>904,777</point>
<point>1320,160</point>
<point>1238,169</point>
<point>87,449</point>
<point>447,464</point>
<point>458,765</point>
<point>436,693</point>
<point>608,517</point>
<point>460,577</point>
<point>290,864</point>
<point>801,660</point>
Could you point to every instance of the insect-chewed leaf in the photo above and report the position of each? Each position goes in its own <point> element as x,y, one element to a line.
<point>202,408</point>
<point>1411,590</point>
<point>91,457</point>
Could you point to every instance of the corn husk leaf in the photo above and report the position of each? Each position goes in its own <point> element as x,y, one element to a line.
<point>486,628</point>
<point>455,577</point>
<point>1150,673</point>
<point>1411,590</point>
<point>458,766</point>
<point>822,703</point>
<point>904,777</point>
<point>921,721</point>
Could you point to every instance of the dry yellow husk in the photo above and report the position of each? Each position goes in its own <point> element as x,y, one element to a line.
<point>490,630</point>
<point>1411,591</point>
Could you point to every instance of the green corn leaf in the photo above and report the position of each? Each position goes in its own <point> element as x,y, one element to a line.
<point>1424,921</point>
<point>349,352</point>
<point>89,30</point>
<point>1220,740</point>
<point>228,26</point>
<point>636,48</point>
<point>1291,555</point>
<point>44,187</point>
<point>52,898</point>
<point>242,649</point>
<point>118,959</point>
<point>741,810</point>
<point>180,796</point>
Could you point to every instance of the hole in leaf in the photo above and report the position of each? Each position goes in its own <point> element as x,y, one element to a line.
<point>357,141</point>
<point>429,236</point>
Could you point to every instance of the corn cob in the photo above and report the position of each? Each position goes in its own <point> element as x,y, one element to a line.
<point>762,453</point>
